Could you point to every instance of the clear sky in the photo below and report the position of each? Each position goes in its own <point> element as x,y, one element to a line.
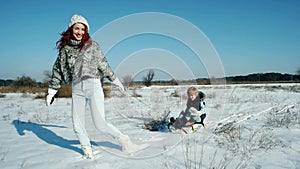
<point>250,36</point>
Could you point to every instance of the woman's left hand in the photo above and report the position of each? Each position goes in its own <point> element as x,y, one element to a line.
<point>119,84</point>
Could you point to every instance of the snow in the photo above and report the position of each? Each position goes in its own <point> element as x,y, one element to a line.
<point>248,126</point>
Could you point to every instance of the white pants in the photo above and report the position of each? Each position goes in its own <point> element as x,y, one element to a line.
<point>85,93</point>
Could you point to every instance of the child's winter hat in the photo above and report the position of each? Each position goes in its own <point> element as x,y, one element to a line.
<point>77,18</point>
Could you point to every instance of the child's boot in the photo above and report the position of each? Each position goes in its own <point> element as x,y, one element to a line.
<point>172,120</point>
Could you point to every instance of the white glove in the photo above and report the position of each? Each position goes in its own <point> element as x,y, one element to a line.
<point>119,84</point>
<point>194,111</point>
<point>50,96</point>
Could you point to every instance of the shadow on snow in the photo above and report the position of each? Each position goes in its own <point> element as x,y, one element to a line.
<point>41,131</point>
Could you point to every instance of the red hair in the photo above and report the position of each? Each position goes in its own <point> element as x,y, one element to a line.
<point>67,35</point>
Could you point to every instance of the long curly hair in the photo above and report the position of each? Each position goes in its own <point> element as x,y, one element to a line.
<point>66,36</point>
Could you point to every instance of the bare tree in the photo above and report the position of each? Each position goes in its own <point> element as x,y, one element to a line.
<point>147,80</point>
<point>127,80</point>
<point>47,75</point>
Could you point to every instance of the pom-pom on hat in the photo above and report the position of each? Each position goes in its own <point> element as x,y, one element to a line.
<point>78,19</point>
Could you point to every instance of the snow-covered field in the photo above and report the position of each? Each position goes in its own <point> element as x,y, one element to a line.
<point>248,126</point>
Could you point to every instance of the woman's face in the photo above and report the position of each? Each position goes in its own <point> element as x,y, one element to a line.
<point>78,31</point>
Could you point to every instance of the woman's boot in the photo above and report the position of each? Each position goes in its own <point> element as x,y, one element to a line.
<point>128,146</point>
<point>87,152</point>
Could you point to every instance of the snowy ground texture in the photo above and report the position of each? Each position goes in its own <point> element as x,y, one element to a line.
<point>248,126</point>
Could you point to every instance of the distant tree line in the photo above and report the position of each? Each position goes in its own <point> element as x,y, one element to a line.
<point>265,77</point>
<point>258,77</point>
<point>6,82</point>
<point>23,81</point>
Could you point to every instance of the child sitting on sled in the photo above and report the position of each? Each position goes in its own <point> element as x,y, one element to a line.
<point>194,114</point>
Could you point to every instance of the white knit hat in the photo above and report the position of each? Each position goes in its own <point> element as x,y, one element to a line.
<point>77,18</point>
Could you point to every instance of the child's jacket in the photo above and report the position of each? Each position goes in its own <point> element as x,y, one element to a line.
<point>197,104</point>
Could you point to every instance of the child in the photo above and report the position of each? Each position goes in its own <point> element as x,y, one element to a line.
<point>194,114</point>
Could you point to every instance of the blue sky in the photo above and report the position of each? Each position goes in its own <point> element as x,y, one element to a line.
<point>254,36</point>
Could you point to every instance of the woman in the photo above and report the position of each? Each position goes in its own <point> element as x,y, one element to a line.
<point>81,63</point>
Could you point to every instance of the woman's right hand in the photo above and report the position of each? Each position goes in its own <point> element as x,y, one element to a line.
<point>50,96</point>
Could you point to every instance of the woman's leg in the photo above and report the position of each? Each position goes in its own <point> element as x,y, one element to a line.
<point>96,103</point>
<point>78,114</point>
